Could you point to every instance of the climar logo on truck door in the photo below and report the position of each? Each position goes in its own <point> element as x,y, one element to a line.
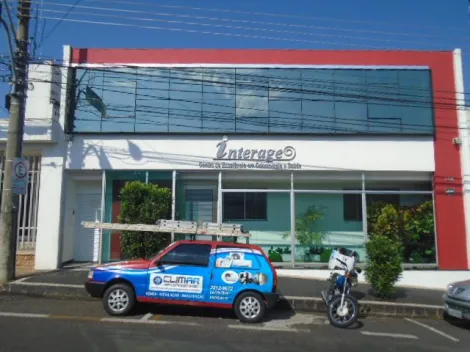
<point>175,283</point>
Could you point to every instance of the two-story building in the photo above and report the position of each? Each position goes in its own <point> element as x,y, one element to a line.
<point>277,140</point>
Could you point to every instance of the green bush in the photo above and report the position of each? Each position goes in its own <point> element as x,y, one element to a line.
<point>143,203</point>
<point>383,266</point>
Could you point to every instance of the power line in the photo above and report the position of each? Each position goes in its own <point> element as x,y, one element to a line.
<point>253,22</point>
<point>285,15</point>
<point>60,21</point>
<point>118,24</point>
<point>115,69</point>
<point>142,19</point>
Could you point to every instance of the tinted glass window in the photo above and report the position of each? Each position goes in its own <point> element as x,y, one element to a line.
<point>188,254</point>
<point>254,100</point>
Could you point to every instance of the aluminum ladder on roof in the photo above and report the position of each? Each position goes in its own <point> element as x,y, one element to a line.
<point>177,226</point>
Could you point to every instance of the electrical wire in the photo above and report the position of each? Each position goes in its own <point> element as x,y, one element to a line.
<point>268,14</point>
<point>143,19</point>
<point>329,29</point>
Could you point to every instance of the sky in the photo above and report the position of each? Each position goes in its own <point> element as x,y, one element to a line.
<point>265,24</point>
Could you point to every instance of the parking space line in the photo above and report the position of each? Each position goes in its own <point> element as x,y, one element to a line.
<point>265,328</point>
<point>432,329</point>
<point>23,315</point>
<point>147,316</point>
<point>74,317</point>
<point>385,334</point>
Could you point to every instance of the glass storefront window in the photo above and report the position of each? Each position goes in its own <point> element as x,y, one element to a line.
<point>323,224</point>
<point>413,217</point>
<point>254,100</point>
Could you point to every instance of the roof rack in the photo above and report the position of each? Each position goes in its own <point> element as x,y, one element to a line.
<point>177,226</point>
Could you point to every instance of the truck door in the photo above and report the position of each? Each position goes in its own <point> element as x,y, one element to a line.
<point>234,269</point>
<point>181,274</point>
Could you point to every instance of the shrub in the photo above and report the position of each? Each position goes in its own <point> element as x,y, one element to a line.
<point>389,223</point>
<point>143,203</point>
<point>383,266</point>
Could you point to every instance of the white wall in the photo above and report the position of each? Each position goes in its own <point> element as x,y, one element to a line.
<point>430,279</point>
<point>50,217</point>
<point>69,219</point>
<point>42,106</point>
<point>50,208</point>
<point>313,153</point>
<point>464,135</point>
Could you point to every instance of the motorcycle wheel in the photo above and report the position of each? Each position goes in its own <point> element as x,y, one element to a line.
<point>345,318</point>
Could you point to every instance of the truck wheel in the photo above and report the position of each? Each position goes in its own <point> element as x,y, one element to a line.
<point>119,300</point>
<point>250,307</point>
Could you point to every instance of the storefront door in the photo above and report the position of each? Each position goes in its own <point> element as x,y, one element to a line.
<point>200,206</point>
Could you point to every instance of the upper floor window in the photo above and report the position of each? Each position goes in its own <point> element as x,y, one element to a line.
<point>253,100</point>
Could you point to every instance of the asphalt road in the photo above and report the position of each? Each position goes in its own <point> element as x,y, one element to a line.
<point>39,324</point>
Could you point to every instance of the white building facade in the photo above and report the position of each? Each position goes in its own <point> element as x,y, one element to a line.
<point>258,137</point>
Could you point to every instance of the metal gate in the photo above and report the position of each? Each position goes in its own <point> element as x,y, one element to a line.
<point>27,204</point>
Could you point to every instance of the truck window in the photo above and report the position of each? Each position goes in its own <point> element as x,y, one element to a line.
<point>188,254</point>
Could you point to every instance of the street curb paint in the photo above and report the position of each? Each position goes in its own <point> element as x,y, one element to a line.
<point>297,304</point>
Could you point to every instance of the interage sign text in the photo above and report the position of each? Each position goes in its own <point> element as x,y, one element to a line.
<point>246,158</point>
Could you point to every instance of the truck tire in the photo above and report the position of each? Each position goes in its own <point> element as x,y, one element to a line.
<point>119,299</point>
<point>250,307</point>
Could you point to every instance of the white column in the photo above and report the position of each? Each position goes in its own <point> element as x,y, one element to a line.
<point>364,208</point>
<point>464,124</point>
<point>173,201</point>
<point>219,202</point>
<point>49,228</point>
<point>103,205</point>
<point>292,218</point>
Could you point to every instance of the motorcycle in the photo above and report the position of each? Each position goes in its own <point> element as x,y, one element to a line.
<point>342,307</point>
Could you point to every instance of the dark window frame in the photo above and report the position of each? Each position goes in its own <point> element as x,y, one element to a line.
<point>352,203</point>
<point>263,202</point>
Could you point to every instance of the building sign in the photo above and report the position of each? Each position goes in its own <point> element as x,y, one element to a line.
<point>252,158</point>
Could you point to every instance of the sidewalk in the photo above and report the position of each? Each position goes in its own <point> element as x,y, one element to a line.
<point>298,294</point>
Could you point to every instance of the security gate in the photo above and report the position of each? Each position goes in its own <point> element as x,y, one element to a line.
<point>27,204</point>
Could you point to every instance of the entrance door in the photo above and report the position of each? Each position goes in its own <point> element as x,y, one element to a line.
<point>86,240</point>
<point>200,206</point>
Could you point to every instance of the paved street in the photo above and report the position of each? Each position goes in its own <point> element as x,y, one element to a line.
<point>31,324</point>
<point>288,286</point>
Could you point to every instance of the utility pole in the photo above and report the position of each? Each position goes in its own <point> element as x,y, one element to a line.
<point>14,147</point>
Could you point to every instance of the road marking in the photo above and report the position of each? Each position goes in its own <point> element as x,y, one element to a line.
<point>45,284</point>
<point>439,332</point>
<point>74,317</point>
<point>147,316</point>
<point>90,318</point>
<point>140,321</point>
<point>264,328</point>
<point>384,334</point>
<point>23,315</point>
<point>157,317</point>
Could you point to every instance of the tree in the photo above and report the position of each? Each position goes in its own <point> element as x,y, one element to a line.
<point>143,203</point>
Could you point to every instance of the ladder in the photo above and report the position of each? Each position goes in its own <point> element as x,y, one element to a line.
<point>176,226</point>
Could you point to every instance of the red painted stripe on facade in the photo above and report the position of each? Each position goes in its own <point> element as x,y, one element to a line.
<point>450,217</point>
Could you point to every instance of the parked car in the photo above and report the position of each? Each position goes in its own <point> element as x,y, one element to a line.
<point>457,300</point>
<point>202,273</point>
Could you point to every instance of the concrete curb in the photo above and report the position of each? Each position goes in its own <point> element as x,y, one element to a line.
<point>298,304</point>
<point>369,308</point>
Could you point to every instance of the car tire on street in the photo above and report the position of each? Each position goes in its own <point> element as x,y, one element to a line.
<point>250,307</point>
<point>119,300</point>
